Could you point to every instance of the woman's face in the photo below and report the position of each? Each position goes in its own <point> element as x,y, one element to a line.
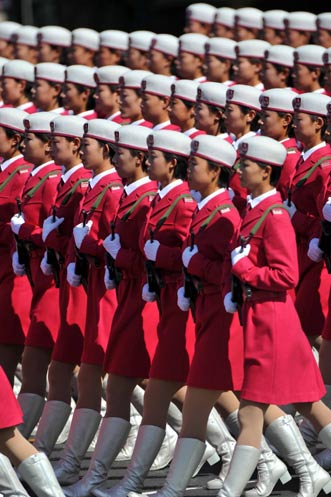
<point>251,175</point>
<point>34,149</point>
<point>124,162</point>
<point>44,96</point>
<point>157,166</point>
<point>12,91</point>
<point>72,98</point>
<point>62,150</point>
<point>204,118</point>
<point>178,112</point>
<point>130,104</point>
<point>235,120</point>
<point>92,153</point>
<point>272,124</point>
<point>304,127</point>
<point>199,175</point>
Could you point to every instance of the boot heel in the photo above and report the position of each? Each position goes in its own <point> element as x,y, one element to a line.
<point>286,477</point>
<point>213,459</point>
<point>327,487</point>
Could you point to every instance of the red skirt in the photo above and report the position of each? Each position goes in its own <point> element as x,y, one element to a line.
<point>176,336</point>
<point>10,410</point>
<point>101,306</point>
<point>218,359</point>
<point>45,313</point>
<point>69,343</point>
<point>279,366</point>
<point>15,302</point>
<point>129,352</point>
<point>312,292</point>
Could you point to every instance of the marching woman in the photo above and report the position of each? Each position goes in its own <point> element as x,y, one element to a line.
<point>131,97</point>
<point>66,136</point>
<point>34,467</point>
<point>181,108</point>
<point>47,88</point>
<point>162,55</point>
<point>220,55</point>
<point>16,84</point>
<point>107,99</point>
<point>78,91</point>
<point>128,355</point>
<point>15,292</point>
<point>37,199</point>
<point>265,262</point>
<point>309,191</point>
<point>98,211</point>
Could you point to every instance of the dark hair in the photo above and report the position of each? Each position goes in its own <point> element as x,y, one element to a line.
<point>28,87</point>
<point>290,129</point>
<point>225,173</point>
<point>10,133</point>
<point>44,137</point>
<point>91,100</point>
<point>325,123</point>
<point>71,139</point>
<point>135,153</point>
<point>181,166</point>
<point>52,84</point>
<point>275,172</point>
<point>255,123</point>
<point>213,109</point>
<point>322,73</point>
<point>280,68</point>
<point>189,105</point>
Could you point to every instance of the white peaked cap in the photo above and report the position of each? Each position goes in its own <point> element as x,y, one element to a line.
<point>221,47</point>
<point>169,141</point>
<point>132,137</point>
<point>157,84</point>
<point>252,48</point>
<point>275,19</point>
<point>280,54</point>
<point>101,129</point>
<point>323,21</point>
<point>7,29</point>
<point>12,118</point>
<point>301,21</point>
<point>185,89</point>
<point>55,35</point>
<point>70,126</point>
<point>310,55</point>
<point>39,122</point>
<point>85,37</point>
<point>312,103</point>
<point>245,95</point>
<point>114,38</point>
<point>263,149</point>
<point>167,44</point>
<point>133,78</point>
<point>278,99</point>
<point>211,93</point>
<point>80,75</point>
<point>249,17</point>
<point>225,16</point>
<point>109,75</point>
<point>193,43</point>
<point>27,35</point>
<point>212,148</point>
<point>18,69</point>
<point>141,40</point>
<point>202,12</point>
<point>50,71</point>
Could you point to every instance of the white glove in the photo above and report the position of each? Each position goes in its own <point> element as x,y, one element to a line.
<point>327,210</point>
<point>16,222</point>
<point>18,268</point>
<point>314,252</point>
<point>49,225</point>
<point>238,253</point>
<point>188,254</point>
<point>45,267</point>
<point>112,246</point>
<point>72,278</point>
<point>146,295</point>
<point>80,232</point>
<point>182,301</point>
<point>151,249</point>
<point>109,284</point>
<point>229,306</point>
<point>291,208</point>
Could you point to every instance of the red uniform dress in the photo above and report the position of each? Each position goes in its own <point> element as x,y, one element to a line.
<point>313,288</point>
<point>133,335</point>
<point>117,118</point>
<point>279,367</point>
<point>218,357</point>
<point>28,107</point>
<point>193,132</point>
<point>101,202</point>
<point>288,169</point>
<point>142,122</point>
<point>15,291</point>
<point>175,330</point>
<point>69,343</point>
<point>10,410</point>
<point>38,197</point>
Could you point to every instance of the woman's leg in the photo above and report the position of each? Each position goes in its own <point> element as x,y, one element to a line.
<point>10,355</point>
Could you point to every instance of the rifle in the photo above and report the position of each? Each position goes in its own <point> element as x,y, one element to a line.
<point>22,250</point>
<point>190,290</point>
<point>81,264</point>
<point>52,257</point>
<point>153,280</point>
<point>114,273</point>
<point>325,243</point>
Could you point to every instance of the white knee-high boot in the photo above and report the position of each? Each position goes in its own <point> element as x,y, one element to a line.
<point>112,436</point>
<point>32,407</point>
<point>149,441</point>
<point>51,424</point>
<point>83,427</point>
<point>243,463</point>
<point>38,473</point>
<point>284,434</point>
<point>10,485</point>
